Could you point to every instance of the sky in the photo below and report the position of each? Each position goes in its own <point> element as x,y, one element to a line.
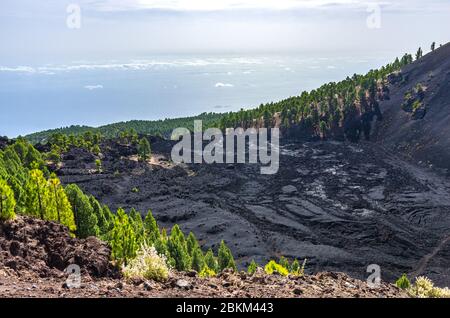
<point>49,47</point>
<point>37,31</point>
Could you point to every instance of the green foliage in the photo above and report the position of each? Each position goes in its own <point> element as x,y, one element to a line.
<point>198,260</point>
<point>403,282</point>
<point>123,239</point>
<point>135,190</point>
<point>103,221</point>
<point>295,267</point>
<point>283,261</point>
<point>191,243</point>
<point>37,196</point>
<point>85,218</point>
<point>138,225</point>
<point>143,127</point>
<point>7,202</point>
<point>273,267</point>
<point>252,267</point>
<point>177,248</point>
<point>211,261</point>
<point>225,258</point>
<point>206,272</point>
<point>98,165</point>
<point>147,264</point>
<point>61,209</point>
<point>151,230</point>
<point>144,149</point>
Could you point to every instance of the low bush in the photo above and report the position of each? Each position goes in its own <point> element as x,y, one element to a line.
<point>207,272</point>
<point>273,267</point>
<point>147,264</point>
<point>403,282</point>
<point>424,288</point>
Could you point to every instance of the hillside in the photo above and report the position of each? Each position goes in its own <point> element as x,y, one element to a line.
<point>426,138</point>
<point>339,200</point>
<point>146,127</point>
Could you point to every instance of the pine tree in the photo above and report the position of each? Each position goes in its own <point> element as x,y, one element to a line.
<point>211,261</point>
<point>225,258</point>
<point>433,46</point>
<point>37,195</point>
<point>252,267</point>
<point>198,260</point>
<point>144,149</point>
<point>59,203</point>
<point>419,53</point>
<point>177,248</point>
<point>295,267</point>
<point>151,230</point>
<point>191,243</point>
<point>7,201</point>
<point>109,219</point>
<point>138,225</point>
<point>85,218</point>
<point>123,239</point>
<point>98,210</point>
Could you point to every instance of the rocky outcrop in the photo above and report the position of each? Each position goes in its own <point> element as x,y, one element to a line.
<point>47,249</point>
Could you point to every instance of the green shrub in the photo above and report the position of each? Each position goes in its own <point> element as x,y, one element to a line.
<point>177,248</point>
<point>211,261</point>
<point>403,282</point>
<point>273,267</point>
<point>135,190</point>
<point>296,269</point>
<point>207,272</point>
<point>7,201</point>
<point>147,264</point>
<point>252,267</point>
<point>198,260</point>
<point>225,258</point>
<point>98,165</point>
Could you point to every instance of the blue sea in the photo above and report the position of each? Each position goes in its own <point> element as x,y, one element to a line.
<point>52,95</point>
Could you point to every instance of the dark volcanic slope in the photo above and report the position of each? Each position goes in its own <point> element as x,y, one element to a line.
<point>342,206</point>
<point>428,139</point>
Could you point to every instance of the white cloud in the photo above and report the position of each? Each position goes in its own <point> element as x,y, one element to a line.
<point>135,65</point>
<point>17,69</point>
<point>93,87</point>
<point>217,5</point>
<point>220,85</point>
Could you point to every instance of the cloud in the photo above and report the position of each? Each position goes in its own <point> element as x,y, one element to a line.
<point>17,69</point>
<point>216,5</point>
<point>93,87</point>
<point>134,65</point>
<point>278,5</point>
<point>219,85</point>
